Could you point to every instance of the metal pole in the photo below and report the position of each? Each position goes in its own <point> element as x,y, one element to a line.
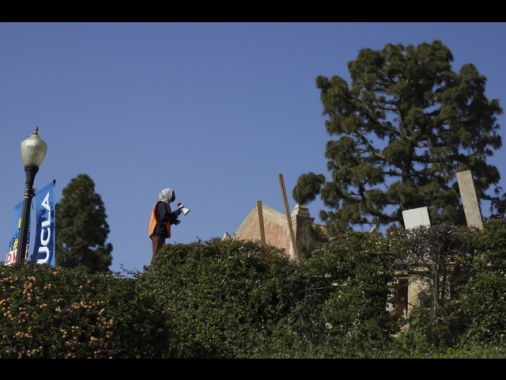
<point>31,171</point>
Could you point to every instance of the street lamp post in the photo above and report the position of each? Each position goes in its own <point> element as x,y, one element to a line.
<point>33,151</point>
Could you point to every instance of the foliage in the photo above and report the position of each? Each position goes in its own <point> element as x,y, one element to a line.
<point>404,127</point>
<point>435,257</point>
<point>223,298</point>
<point>482,299</point>
<point>67,314</point>
<point>435,260</point>
<point>463,273</point>
<point>235,299</point>
<point>82,228</point>
<point>346,292</point>
<point>312,237</point>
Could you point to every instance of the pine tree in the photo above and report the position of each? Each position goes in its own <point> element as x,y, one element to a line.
<point>82,229</point>
<point>404,128</point>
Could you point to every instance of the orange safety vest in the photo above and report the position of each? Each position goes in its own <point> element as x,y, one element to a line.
<point>152,220</point>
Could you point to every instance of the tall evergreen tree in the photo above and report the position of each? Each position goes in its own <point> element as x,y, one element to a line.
<point>82,228</point>
<point>404,129</point>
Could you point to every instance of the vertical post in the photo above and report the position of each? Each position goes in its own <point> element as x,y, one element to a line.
<point>469,199</point>
<point>33,151</point>
<point>30,171</point>
<point>261,221</point>
<point>288,216</point>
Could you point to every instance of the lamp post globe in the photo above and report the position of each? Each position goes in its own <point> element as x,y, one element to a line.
<point>33,152</point>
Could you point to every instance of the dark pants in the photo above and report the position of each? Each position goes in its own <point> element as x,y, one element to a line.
<point>157,242</point>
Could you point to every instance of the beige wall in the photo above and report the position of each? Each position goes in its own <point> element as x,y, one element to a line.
<point>276,229</point>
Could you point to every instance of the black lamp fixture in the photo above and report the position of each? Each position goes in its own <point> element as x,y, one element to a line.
<point>33,152</point>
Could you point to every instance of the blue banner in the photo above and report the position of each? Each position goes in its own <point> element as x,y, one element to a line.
<point>14,241</point>
<point>44,246</point>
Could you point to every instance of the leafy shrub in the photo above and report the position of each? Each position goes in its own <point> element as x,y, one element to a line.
<point>345,290</point>
<point>57,313</point>
<point>236,299</point>
<point>224,298</point>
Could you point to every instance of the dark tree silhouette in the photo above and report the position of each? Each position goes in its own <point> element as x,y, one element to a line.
<point>82,229</point>
<point>404,128</point>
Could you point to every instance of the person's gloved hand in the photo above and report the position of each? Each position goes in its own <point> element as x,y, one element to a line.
<point>176,222</point>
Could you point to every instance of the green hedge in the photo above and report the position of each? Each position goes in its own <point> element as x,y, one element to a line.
<point>235,299</point>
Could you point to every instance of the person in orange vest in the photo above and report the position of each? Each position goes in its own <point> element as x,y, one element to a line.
<point>162,217</point>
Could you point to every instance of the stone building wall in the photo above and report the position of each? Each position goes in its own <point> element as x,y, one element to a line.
<point>276,228</point>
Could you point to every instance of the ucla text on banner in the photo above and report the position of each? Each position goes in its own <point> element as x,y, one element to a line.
<point>44,245</point>
<point>14,241</point>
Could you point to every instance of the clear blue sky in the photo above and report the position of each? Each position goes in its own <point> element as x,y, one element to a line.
<point>214,111</point>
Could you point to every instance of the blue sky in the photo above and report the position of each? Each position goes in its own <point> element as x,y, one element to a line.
<point>212,110</point>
